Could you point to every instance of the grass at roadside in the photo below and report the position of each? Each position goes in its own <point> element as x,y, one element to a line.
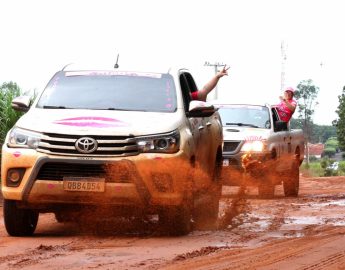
<point>320,168</point>
<point>313,170</point>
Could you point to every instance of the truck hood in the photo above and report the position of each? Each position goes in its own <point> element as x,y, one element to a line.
<point>99,122</point>
<point>245,133</point>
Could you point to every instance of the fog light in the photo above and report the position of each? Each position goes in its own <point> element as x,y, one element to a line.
<point>163,182</point>
<point>14,177</point>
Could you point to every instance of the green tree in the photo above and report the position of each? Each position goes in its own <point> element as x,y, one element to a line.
<point>318,133</point>
<point>306,95</point>
<point>340,122</point>
<point>8,116</point>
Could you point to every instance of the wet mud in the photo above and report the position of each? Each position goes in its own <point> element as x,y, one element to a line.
<point>306,232</point>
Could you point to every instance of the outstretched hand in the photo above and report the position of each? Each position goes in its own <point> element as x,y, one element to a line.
<point>223,72</point>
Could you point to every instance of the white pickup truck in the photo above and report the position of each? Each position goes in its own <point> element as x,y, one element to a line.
<point>259,149</point>
<point>100,143</point>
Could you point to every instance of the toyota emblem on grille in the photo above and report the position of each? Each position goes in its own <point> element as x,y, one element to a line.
<point>86,145</point>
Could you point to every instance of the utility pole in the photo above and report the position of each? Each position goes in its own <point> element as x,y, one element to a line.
<point>283,47</point>
<point>215,65</point>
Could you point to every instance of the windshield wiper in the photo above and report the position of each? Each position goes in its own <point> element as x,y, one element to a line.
<point>53,107</point>
<point>242,124</point>
<point>132,110</point>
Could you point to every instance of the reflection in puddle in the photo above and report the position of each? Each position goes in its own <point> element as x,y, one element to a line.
<point>337,203</point>
<point>287,234</point>
<point>255,223</point>
<point>304,220</point>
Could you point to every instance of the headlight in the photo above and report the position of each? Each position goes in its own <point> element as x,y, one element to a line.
<point>163,143</point>
<point>23,138</point>
<point>253,146</point>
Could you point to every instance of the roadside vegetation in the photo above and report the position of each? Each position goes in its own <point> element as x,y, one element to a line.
<point>8,116</point>
<point>328,165</point>
<point>323,167</point>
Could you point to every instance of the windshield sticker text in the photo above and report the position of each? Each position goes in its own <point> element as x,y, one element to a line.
<point>112,73</point>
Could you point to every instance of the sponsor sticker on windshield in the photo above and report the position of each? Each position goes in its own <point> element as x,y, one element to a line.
<point>113,73</point>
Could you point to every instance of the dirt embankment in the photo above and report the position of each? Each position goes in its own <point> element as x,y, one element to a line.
<point>307,232</point>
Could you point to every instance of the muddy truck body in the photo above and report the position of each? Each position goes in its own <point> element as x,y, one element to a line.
<point>259,149</point>
<point>104,143</point>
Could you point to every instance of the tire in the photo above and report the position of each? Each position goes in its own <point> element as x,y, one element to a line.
<point>19,222</point>
<point>266,191</point>
<point>291,183</point>
<point>176,220</point>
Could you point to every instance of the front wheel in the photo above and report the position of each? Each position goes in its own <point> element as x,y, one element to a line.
<point>291,183</point>
<point>176,220</point>
<point>19,222</point>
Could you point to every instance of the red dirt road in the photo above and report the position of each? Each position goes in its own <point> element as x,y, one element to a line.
<point>307,232</point>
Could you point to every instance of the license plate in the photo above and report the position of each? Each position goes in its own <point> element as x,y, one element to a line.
<point>91,184</point>
<point>225,162</point>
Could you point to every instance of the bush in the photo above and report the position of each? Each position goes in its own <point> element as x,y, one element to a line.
<point>330,172</point>
<point>331,143</point>
<point>314,169</point>
<point>341,168</point>
<point>330,152</point>
<point>8,116</point>
<point>325,162</point>
<point>312,158</point>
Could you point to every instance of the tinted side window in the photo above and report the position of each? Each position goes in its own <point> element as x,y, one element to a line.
<point>188,86</point>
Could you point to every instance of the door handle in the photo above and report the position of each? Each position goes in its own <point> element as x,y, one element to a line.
<point>201,127</point>
<point>208,124</point>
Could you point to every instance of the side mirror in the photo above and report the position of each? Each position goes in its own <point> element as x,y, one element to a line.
<point>21,103</point>
<point>280,126</point>
<point>200,109</point>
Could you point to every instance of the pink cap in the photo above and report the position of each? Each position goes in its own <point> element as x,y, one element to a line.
<point>289,89</point>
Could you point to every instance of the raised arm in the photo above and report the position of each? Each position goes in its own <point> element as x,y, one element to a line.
<point>202,94</point>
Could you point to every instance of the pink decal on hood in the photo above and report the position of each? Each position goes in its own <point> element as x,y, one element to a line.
<point>91,121</point>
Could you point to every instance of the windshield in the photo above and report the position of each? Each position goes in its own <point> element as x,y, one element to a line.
<point>110,91</point>
<point>245,115</point>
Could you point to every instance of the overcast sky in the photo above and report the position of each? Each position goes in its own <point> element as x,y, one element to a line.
<point>39,37</point>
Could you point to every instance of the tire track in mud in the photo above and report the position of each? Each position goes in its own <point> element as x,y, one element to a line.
<point>337,259</point>
<point>33,256</point>
<point>280,254</point>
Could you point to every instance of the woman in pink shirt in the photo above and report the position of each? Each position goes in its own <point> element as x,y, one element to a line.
<point>287,105</point>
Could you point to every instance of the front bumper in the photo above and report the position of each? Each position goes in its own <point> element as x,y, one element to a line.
<point>143,181</point>
<point>235,165</point>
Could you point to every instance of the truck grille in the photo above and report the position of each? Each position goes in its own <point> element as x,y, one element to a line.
<point>60,144</point>
<point>118,172</point>
<point>231,146</point>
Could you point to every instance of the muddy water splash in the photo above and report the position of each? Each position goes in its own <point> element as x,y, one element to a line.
<point>235,211</point>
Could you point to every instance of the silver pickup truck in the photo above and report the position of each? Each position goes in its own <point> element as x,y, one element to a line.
<point>102,143</point>
<point>259,149</point>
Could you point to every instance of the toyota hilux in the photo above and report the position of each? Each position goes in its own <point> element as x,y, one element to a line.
<point>100,143</point>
